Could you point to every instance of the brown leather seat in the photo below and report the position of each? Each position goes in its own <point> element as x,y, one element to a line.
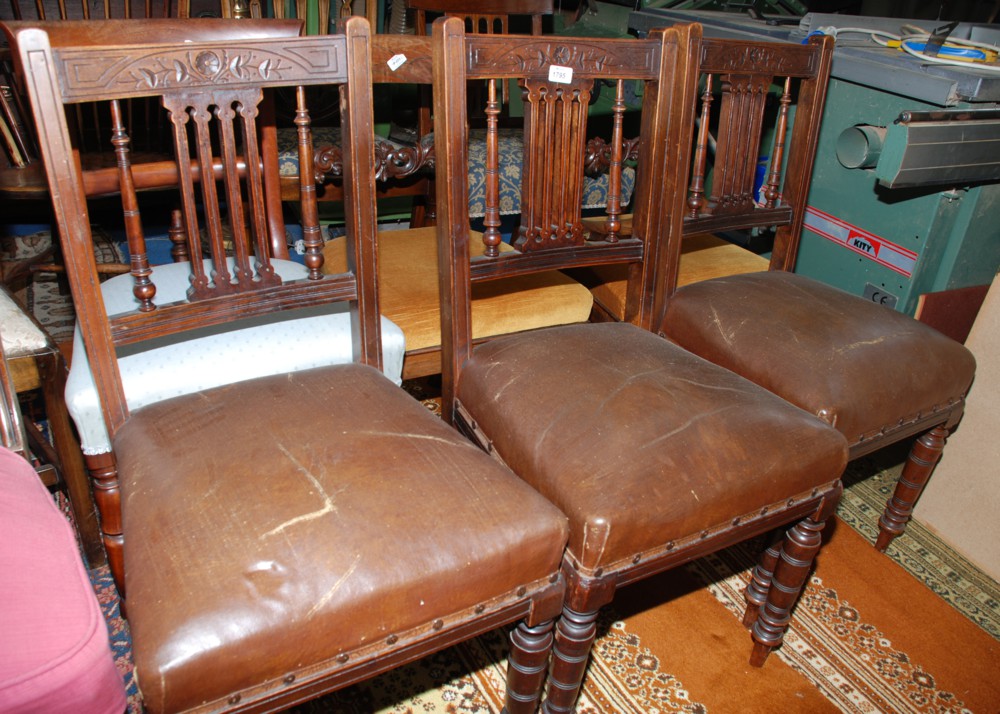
<point>323,535</point>
<point>863,368</point>
<point>652,448</point>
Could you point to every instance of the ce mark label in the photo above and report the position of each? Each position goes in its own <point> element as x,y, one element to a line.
<point>879,295</point>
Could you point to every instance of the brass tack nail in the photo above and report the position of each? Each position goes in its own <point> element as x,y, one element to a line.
<point>815,491</point>
<point>289,678</point>
<point>636,558</point>
<point>438,624</point>
<point>480,609</point>
<point>736,521</point>
<point>392,639</point>
<point>599,572</point>
<point>343,657</point>
<point>704,534</point>
<point>235,699</point>
<point>670,545</point>
<point>791,501</point>
<point>521,591</point>
<point>554,578</point>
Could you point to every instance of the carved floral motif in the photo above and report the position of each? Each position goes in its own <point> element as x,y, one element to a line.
<point>538,56</point>
<point>755,59</point>
<point>207,67</point>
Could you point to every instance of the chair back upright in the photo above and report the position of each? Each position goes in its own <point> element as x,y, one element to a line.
<point>212,102</point>
<point>556,76</point>
<point>751,164</point>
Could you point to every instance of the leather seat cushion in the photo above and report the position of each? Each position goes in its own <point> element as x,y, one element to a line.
<point>408,280</point>
<point>703,257</point>
<point>584,411</point>
<point>856,364</point>
<point>275,524</point>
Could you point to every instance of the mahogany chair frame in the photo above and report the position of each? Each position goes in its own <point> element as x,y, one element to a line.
<point>743,72</point>
<point>104,334</point>
<point>552,235</point>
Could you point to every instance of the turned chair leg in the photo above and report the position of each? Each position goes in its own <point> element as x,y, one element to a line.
<point>802,542</point>
<point>924,456</point>
<point>527,663</point>
<point>574,638</point>
<point>104,475</point>
<point>760,583</point>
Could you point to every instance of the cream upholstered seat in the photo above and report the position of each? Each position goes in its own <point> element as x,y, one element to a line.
<point>215,356</point>
<point>408,280</point>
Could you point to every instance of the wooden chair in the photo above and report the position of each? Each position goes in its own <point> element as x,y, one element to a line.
<point>203,359</point>
<point>408,270</point>
<point>878,376</point>
<point>31,361</point>
<point>285,535</point>
<point>492,17</point>
<point>656,456</point>
<point>90,123</point>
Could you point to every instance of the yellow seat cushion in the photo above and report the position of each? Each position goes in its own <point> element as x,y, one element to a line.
<point>408,283</point>
<point>703,257</point>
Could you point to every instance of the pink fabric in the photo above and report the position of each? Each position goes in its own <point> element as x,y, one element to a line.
<point>54,651</point>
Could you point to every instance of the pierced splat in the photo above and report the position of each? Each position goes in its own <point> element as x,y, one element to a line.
<point>224,116</point>
<point>736,123</point>
<point>555,120</point>
<point>742,114</point>
<point>738,142</point>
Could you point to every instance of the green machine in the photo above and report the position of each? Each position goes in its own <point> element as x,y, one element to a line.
<point>905,196</point>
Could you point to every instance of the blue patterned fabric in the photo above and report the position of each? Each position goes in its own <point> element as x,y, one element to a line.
<point>595,189</point>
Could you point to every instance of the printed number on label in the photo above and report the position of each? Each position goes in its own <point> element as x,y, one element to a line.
<point>562,75</point>
<point>396,61</point>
